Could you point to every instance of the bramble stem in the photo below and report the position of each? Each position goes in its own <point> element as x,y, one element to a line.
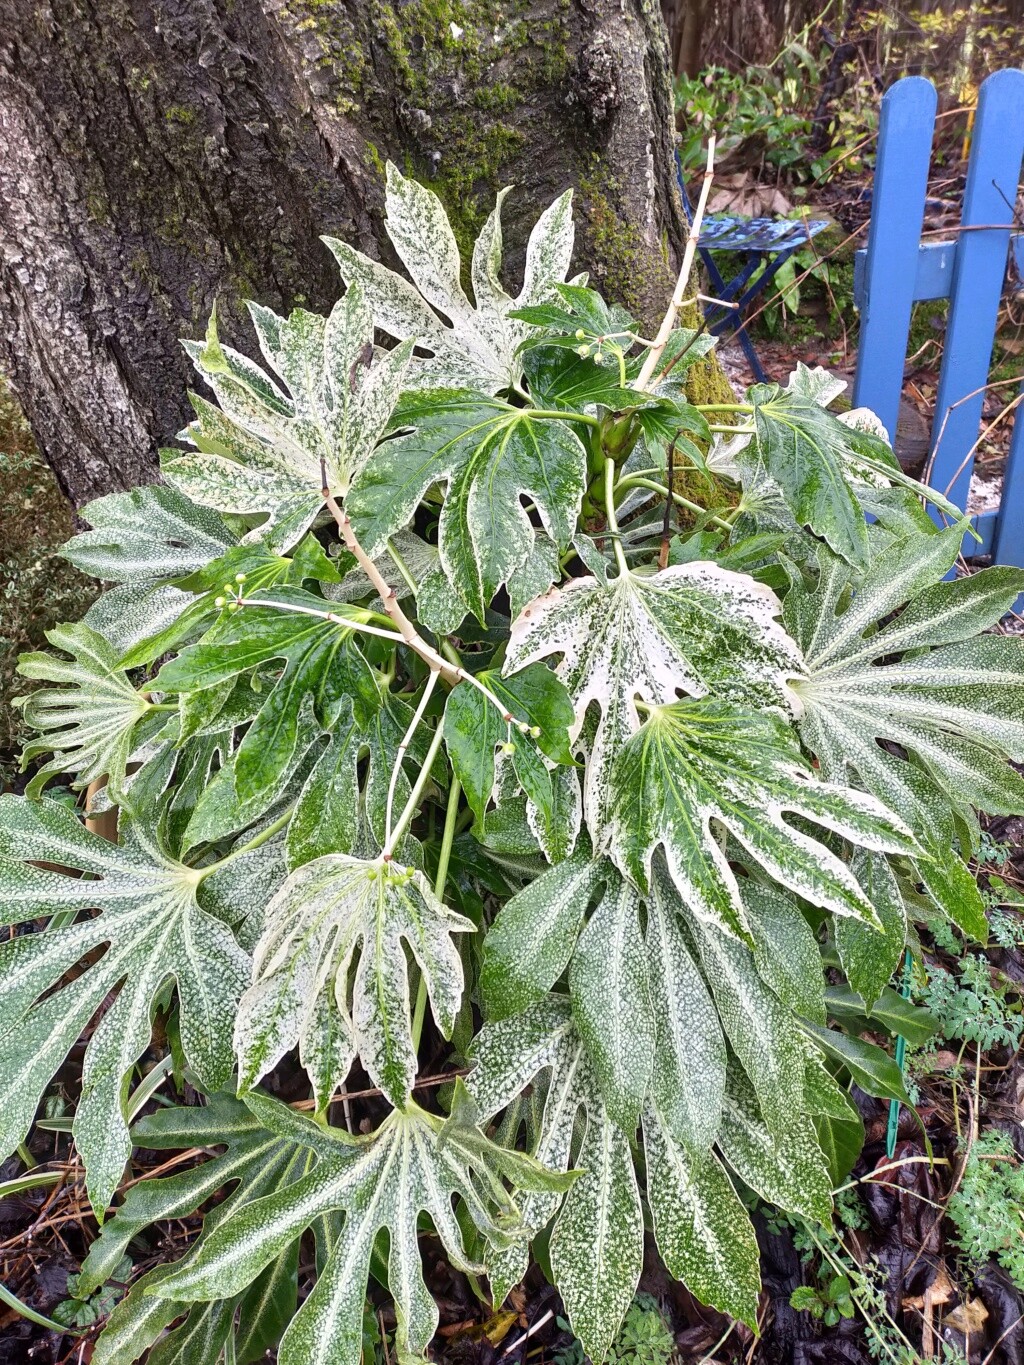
<point>417,716</point>
<point>654,355</point>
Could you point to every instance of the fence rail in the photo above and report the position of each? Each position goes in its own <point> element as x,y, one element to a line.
<point>896,270</point>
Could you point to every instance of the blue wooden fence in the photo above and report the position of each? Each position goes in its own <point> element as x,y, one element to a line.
<point>897,269</point>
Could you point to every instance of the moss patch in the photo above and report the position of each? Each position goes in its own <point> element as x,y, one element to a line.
<point>37,588</point>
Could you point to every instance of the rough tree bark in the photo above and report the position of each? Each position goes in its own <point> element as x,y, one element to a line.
<point>161,154</point>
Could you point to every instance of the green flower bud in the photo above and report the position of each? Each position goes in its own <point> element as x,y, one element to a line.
<point>218,601</point>
<point>580,334</point>
<point>583,352</point>
<point>240,577</point>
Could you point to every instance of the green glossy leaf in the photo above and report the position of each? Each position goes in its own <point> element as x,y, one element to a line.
<point>809,452</point>
<point>322,661</point>
<point>489,457</point>
<point>872,1069</point>
<point>889,1012</point>
<point>474,728</point>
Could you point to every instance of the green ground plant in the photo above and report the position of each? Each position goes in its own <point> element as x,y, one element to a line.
<point>432,743</point>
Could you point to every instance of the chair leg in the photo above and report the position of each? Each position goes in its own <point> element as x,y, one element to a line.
<point>734,316</point>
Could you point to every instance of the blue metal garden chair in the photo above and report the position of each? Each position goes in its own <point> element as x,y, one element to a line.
<point>970,270</point>
<point>766,243</point>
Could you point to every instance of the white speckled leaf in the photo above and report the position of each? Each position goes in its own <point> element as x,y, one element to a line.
<point>695,762</point>
<point>255,1162</point>
<point>927,681</point>
<point>260,451</point>
<point>786,1169</point>
<point>688,1077</point>
<point>956,702</point>
<point>760,1029</point>
<point>153,930</point>
<point>869,959</point>
<point>148,533</point>
<point>533,936</point>
<point>785,950</point>
<point>692,627</point>
<point>597,1242</point>
<point>332,914</point>
<point>703,1232</point>
<point>414,1162</point>
<point>89,721</point>
<point>611,1003</point>
<point>473,344</point>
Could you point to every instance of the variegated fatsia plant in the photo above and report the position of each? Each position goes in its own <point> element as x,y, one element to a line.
<point>474,702</point>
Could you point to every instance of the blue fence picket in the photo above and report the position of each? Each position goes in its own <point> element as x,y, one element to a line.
<point>1008,543</point>
<point>997,148</point>
<point>897,215</point>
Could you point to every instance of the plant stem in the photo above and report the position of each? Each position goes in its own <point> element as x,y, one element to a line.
<point>609,507</point>
<point>654,355</point>
<point>451,816</point>
<point>403,569</point>
<point>406,817</point>
<point>433,658</point>
<point>387,594</point>
<point>403,746</point>
<point>634,481</point>
<point>555,416</point>
<point>725,407</point>
<point>256,841</point>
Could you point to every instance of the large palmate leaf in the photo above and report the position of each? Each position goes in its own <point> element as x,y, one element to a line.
<point>703,1233</point>
<point>322,661</point>
<point>597,1238</point>
<point>818,459</point>
<point>263,449</point>
<point>414,1161</point>
<point>146,534</point>
<point>477,346</point>
<point>153,930</point>
<point>490,456</point>
<point>90,720</point>
<point>255,1162</point>
<point>474,728</point>
<point>699,768</point>
<point>692,627</point>
<point>597,1241</point>
<point>927,680</point>
<point>333,914</point>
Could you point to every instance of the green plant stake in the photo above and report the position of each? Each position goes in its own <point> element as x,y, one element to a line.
<point>901,1052</point>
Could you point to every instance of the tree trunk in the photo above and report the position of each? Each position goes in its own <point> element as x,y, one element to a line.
<point>161,154</point>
